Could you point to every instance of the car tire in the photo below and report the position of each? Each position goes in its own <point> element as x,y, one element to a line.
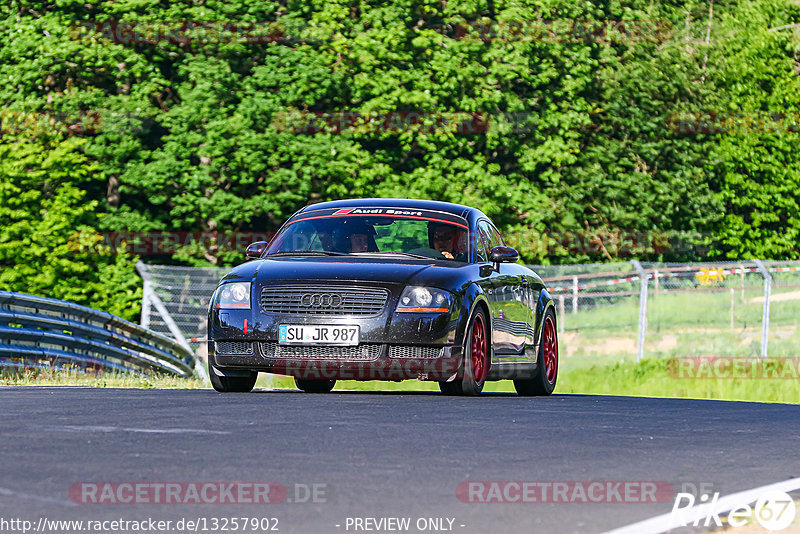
<point>547,362</point>
<point>314,386</point>
<point>232,384</point>
<point>476,359</point>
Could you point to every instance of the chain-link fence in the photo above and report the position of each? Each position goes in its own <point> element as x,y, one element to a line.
<point>725,308</point>
<point>175,302</point>
<point>608,311</point>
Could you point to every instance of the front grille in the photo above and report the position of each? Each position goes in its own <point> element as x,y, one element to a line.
<point>413,351</point>
<point>306,300</point>
<point>234,347</point>
<point>365,351</point>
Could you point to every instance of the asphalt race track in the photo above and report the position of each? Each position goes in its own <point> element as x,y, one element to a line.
<point>379,455</point>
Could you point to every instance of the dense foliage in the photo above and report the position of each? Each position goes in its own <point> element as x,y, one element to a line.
<point>200,133</point>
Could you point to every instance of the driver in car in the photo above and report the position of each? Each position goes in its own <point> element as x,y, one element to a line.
<point>354,236</point>
<point>442,239</point>
<point>359,242</point>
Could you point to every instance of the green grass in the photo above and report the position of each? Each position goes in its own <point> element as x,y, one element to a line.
<point>650,378</point>
<point>52,377</point>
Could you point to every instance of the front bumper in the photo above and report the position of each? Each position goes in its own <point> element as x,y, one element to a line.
<point>362,362</point>
<point>392,345</point>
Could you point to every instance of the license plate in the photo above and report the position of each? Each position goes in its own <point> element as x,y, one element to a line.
<point>308,334</point>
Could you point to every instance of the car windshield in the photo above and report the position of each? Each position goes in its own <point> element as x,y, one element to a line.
<point>436,236</point>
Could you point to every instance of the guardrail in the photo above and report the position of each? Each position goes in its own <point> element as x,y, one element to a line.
<point>39,331</point>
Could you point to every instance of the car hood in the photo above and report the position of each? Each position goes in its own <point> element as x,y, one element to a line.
<point>422,272</point>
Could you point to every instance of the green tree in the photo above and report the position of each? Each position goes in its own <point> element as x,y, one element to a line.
<point>48,241</point>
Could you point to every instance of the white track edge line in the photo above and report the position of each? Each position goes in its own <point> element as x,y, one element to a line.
<point>18,494</point>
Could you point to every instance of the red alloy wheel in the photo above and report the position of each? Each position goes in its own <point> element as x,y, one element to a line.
<point>550,350</point>
<point>478,349</point>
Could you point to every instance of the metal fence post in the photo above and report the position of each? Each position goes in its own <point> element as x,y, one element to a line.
<point>642,309</point>
<point>574,294</point>
<point>765,314</point>
<point>741,273</point>
<point>147,289</point>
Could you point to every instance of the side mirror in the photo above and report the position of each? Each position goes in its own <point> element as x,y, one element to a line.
<point>504,255</point>
<point>254,250</point>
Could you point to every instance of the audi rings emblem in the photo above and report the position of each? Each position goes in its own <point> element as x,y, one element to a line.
<point>321,300</point>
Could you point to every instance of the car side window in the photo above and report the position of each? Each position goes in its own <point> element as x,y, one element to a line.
<point>480,247</point>
<point>483,242</point>
<point>496,239</point>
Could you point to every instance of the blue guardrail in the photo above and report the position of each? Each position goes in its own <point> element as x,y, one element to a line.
<point>44,332</point>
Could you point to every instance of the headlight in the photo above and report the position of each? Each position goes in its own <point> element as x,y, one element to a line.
<point>424,300</point>
<point>236,295</point>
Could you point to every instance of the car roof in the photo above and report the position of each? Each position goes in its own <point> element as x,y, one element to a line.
<point>455,209</point>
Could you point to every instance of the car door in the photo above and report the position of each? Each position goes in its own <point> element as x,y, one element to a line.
<point>491,283</point>
<point>508,298</point>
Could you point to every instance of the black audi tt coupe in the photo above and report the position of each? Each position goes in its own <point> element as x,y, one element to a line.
<point>384,289</point>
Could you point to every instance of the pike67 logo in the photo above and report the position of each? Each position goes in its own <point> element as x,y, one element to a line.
<point>774,510</point>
